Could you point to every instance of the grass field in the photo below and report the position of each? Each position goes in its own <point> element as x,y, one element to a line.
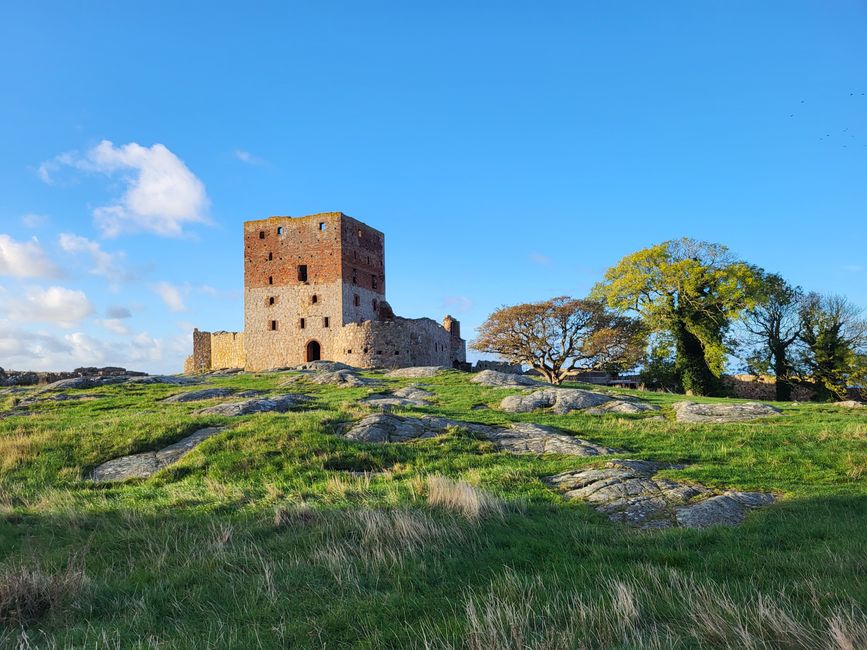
<point>278,533</point>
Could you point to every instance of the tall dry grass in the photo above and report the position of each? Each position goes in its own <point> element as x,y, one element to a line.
<point>652,610</point>
<point>29,593</point>
<point>462,498</point>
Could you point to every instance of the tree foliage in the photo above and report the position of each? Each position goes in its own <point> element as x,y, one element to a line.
<point>835,336</point>
<point>562,334</point>
<point>690,290</point>
<point>774,329</point>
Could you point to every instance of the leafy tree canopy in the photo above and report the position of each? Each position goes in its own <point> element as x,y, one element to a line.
<point>562,334</point>
<point>692,290</point>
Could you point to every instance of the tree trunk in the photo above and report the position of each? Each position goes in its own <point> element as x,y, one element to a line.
<point>783,386</point>
<point>695,374</point>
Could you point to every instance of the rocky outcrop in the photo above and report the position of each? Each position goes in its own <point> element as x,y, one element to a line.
<point>172,380</point>
<point>565,400</point>
<point>852,404</point>
<point>415,372</point>
<point>325,366</point>
<point>628,491</point>
<point>384,427</point>
<point>629,407</point>
<point>528,438</point>
<point>517,438</point>
<point>720,412</point>
<point>28,378</point>
<point>409,396</point>
<point>277,404</point>
<point>339,378</point>
<point>498,379</point>
<point>95,381</point>
<point>199,395</point>
<point>148,463</point>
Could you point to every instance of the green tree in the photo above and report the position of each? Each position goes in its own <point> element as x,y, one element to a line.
<point>774,328</point>
<point>835,335</point>
<point>563,334</point>
<point>691,290</point>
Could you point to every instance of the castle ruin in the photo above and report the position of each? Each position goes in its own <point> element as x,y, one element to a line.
<point>314,288</point>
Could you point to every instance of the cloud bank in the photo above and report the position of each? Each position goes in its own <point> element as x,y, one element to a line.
<point>162,194</point>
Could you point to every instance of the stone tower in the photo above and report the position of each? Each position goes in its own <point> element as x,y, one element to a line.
<point>304,279</point>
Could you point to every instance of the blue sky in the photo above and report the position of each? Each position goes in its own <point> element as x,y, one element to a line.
<point>510,152</point>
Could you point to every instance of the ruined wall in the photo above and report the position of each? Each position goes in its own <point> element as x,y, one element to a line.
<point>396,343</point>
<point>499,366</point>
<point>227,350</point>
<point>763,388</point>
<point>215,350</point>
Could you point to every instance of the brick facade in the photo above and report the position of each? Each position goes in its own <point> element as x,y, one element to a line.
<point>314,287</point>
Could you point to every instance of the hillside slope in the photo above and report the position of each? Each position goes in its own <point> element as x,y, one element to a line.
<point>277,529</point>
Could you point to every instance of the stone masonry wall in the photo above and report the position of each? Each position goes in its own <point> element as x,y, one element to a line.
<point>216,350</point>
<point>397,343</point>
<point>227,350</point>
<point>284,311</point>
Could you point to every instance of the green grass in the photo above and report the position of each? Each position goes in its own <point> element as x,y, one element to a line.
<point>193,557</point>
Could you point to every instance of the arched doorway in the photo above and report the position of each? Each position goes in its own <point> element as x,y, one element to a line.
<point>314,351</point>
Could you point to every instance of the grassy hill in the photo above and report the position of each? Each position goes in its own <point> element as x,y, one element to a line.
<point>278,532</point>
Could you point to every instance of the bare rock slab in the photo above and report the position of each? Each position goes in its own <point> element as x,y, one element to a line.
<point>518,438</point>
<point>339,378</point>
<point>628,491</point>
<point>148,463</point>
<point>415,372</point>
<point>497,379</point>
<point>277,404</point>
<point>739,412</point>
<point>565,400</point>
<point>528,438</point>
<point>325,366</point>
<point>384,427</point>
<point>173,380</point>
<point>198,395</point>
<point>409,396</point>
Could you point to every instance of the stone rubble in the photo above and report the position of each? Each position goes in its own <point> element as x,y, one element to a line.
<point>718,412</point>
<point>148,463</point>
<point>628,491</point>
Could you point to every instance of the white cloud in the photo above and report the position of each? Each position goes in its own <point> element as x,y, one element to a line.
<point>162,194</point>
<point>248,158</point>
<point>540,259</point>
<point>26,349</point>
<point>25,259</point>
<point>107,265</point>
<point>34,220</point>
<point>458,303</point>
<point>58,305</point>
<point>171,295</point>
<point>853,268</point>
